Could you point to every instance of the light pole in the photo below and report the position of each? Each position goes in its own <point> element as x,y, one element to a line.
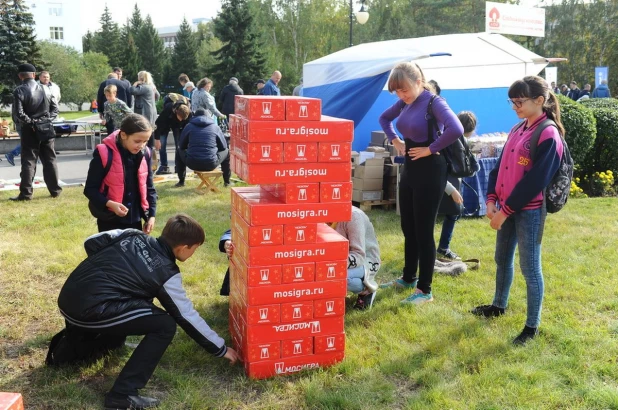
<point>361,16</point>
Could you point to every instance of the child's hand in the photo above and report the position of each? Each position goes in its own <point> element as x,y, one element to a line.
<point>457,198</point>
<point>492,210</point>
<point>229,248</point>
<point>149,225</point>
<point>157,144</point>
<point>103,122</point>
<point>232,356</point>
<point>117,208</point>
<point>498,220</point>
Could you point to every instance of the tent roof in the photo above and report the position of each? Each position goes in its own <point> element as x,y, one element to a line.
<point>468,53</point>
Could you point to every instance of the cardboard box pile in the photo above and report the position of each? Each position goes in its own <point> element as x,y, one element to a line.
<point>288,271</point>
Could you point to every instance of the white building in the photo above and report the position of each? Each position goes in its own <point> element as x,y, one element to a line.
<point>168,34</point>
<point>58,21</point>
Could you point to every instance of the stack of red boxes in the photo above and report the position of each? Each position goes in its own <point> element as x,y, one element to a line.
<point>288,273</point>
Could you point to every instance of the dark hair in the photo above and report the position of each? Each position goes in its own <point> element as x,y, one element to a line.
<point>203,82</point>
<point>533,86</point>
<point>468,120</point>
<point>117,69</point>
<point>134,123</point>
<point>183,78</point>
<point>199,112</point>
<point>404,74</point>
<point>436,87</point>
<point>181,229</point>
<point>183,110</point>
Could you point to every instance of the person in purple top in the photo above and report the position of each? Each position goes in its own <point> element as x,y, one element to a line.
<point>424,174</point>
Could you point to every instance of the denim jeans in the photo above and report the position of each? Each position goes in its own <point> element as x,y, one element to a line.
<point>163,150</point>
<point>355,279</point>
<point>16,152</point>
<point>523,229</point>
<point>447,231</point>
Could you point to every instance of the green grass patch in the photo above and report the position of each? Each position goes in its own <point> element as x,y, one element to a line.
<point>75,115</point>
<point>436,356</point>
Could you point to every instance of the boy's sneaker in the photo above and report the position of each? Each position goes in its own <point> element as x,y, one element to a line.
<point>447,255</point>
<point>527,334</point>
<point>164,171</point>
<point>488,311</point>
<point>114,402</point>
<point>10,158</point>
<point>418,298</point>
<point>365,301</point>
<point>399,284</point>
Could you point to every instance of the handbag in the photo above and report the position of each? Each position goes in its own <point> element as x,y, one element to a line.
<point>44,130</point>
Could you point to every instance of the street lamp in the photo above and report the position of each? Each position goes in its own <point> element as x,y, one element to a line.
<point>361,16</point>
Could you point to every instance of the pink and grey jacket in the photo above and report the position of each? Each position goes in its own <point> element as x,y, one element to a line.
<point>517,183</point>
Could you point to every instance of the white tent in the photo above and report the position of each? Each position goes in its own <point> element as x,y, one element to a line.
<point>474,71</point>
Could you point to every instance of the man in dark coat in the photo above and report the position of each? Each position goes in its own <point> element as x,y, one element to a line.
<point>226,99</point>
<point>31,104</point>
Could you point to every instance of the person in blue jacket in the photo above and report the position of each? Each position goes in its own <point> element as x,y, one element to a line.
<point>202,147</point>
<point>602,91</point>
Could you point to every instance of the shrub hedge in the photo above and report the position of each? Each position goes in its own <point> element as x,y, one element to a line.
<point>604,153</point>
<point>580,125</point>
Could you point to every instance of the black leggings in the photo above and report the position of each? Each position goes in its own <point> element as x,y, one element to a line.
<point>420,192</point>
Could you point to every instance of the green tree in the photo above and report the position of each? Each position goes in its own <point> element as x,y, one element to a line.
<point>184,56</point>
<point>17,45</point>
<point>88,41</point>
<point>129,59</point>
<point>151,50</point>
<point>107,39</point>
<point>241,54</point>
<point>136,22</point>
<point>208,44</point>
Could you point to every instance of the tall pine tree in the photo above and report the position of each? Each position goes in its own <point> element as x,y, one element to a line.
<point>151,50</point>
<point>241,54</point>
<point>88,41</point>
<point>129,58</point>
<point>17,45</point>
<point>184,57</point>
<point>107,40</point>
<point>136,21</point>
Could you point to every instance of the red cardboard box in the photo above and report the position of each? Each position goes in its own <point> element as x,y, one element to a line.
<point>288,365</point>
<point>256,235</point>
<point>293,292</point>
<point>11,401</point>
<point>253,315</point>
<point>294,172</point>
<point>301,233</point>
<point>298,330</point>
<point>336,192</point>
<point>296,312</point>
<point>327,129</point>
<point>268,210</point>
<point>329,343</point>
<point>263,351</point>
<point>294,193</point>
<point>258,152</point>
<point>255,275</point>
<point>297,347</point>
<point>298,273</point>
<point>334,152</point>
<point>331,270</point>
<point>260,107</point>
<point>303,108</point>
<point>327,307</point>
<point>300,152</point>
<point>246,190</point>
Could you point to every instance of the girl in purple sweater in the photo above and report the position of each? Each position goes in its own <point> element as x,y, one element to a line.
<point>424,175</point>
<point>515,202</point>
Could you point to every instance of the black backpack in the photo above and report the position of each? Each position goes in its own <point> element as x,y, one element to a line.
<point>556,194</point>
<point>460,161</point>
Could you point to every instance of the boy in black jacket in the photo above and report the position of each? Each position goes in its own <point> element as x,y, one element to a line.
<point>111,292</point>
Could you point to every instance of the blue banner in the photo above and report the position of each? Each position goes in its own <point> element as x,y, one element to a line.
<point>600,74</point>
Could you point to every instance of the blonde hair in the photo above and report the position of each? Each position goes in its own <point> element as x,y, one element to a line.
<point>112,89</point>
<point>404,74</point>
<point>145,77</point>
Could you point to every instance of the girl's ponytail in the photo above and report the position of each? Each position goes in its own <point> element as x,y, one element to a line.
<point>552,109</point>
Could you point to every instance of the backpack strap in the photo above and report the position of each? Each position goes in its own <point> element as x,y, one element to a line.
<point>431,120</point>
<point>106,154</point>
<point>534,140</point>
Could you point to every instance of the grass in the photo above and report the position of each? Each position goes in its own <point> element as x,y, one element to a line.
<point>437,356</point>
<point>74,115</point>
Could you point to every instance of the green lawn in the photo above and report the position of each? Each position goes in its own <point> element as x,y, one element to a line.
<point>436,356</point>
<point>75,115</point>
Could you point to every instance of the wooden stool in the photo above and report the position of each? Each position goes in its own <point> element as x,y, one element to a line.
<point>208,181</point>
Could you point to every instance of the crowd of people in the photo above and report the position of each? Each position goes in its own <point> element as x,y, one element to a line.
<point>573,92</point>
<point>109,296</point>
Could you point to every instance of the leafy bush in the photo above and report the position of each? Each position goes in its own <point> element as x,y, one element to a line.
<point>601,183</point>
<point>159,104</point>
<point>604,154</point>
<point>580,126</point>
<point>601,103</point>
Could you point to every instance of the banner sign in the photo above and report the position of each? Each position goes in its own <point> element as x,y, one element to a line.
<point>511,19</point>
<point>600,74</point>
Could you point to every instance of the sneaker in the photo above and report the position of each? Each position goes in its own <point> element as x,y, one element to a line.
<point>365,301</point>
<point>527,334</point>
<point>447,254</point>
<point>488,311</point>
<point>228,184</point>
<point>399,284</point>
<point>179,184</point>
<point>418,298</point>
<point>163,171</point>
<point>10,158</point>
<point>113,401</point>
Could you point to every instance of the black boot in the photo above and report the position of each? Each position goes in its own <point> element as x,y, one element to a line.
<point>488,311</point>
<point>115,401</point>
<point>527,334</point>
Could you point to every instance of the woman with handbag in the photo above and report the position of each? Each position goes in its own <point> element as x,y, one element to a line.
<point>424,176</point>
<point>119,183</point>
<point>146,95</point>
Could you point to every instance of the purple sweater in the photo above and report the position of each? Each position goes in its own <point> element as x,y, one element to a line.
<point>413,125</point>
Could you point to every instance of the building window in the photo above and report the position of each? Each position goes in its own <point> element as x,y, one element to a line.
<point>55,9</point>
<point>56,33</point>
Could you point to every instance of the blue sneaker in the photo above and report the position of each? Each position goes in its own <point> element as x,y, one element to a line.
<point>10,158</point>
<point>399,284</point>
<point>418,298</point>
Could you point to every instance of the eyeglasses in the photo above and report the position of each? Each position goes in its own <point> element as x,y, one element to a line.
<point>517,104</point>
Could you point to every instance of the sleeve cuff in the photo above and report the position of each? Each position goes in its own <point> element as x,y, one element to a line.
<point>508,211</point>
<point>492,198</point>
<point>221,352</point>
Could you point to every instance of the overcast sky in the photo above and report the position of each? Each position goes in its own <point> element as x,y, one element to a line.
<point>163,12</point>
